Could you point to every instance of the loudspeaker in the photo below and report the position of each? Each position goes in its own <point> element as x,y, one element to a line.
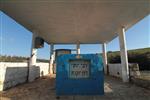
<point>39,42</point>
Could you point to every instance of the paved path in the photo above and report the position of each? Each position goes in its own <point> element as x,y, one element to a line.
<point>43,89</point>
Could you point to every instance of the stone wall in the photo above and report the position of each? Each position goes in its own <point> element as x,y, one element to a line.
<point>115,70</point>
<point>12,74</point>
<point>142,80</point>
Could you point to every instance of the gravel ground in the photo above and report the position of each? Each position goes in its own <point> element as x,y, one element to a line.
<point>43,89</point>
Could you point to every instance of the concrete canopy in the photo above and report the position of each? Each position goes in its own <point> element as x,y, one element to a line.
<point>76,21</point>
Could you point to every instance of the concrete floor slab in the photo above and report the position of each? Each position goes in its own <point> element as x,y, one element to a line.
<point>44,89</point>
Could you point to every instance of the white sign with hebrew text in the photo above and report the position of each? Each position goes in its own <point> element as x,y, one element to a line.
<point>79,69</point>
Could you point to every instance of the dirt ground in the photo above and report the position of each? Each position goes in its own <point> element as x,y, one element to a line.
<point>43,89</point>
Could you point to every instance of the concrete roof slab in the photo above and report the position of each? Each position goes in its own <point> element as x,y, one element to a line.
<point>76,21</point>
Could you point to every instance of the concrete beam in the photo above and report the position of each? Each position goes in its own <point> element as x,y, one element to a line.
<point>124,56</point>
<point>105,58</point>
<point>32,62</point>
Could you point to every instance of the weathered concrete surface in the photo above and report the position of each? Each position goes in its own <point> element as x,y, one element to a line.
<point>43,89</point>
<point>115,69</point>
<point>142,80</point>
<point>14,73</point>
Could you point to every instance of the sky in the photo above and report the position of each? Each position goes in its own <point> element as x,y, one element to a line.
<point>15,40</point>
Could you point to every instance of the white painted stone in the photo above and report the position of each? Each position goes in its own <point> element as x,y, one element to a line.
<point>12,74</point>
<point>115,70</point>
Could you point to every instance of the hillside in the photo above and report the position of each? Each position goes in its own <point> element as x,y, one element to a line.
<point>6,58</point>
<point>140,56</point>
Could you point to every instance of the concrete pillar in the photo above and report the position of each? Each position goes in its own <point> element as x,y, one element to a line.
<point>78,48</point>
<point>51,58</point>
<point>32,62</point>
<point>124,56</point>
<point>105,58</point>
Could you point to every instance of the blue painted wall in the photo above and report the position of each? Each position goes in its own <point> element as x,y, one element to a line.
<point>93,85</point>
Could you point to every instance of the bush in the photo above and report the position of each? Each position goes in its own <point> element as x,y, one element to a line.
<point>140,56</point>
<point>5,58</point>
